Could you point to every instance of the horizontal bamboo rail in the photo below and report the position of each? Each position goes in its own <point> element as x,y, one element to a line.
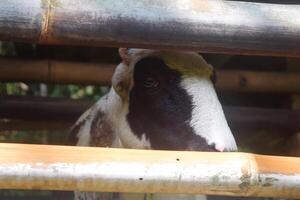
<point>63,72</point>
<point>257,81</point>
<point>237,27</point>
<point>51,71</point>
<point>56,110</point>
<point>98,169</point>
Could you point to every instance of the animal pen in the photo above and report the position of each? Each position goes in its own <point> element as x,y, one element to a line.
<point>259,28</point>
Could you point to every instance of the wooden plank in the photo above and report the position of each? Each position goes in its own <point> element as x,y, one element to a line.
<point>98,169</point>
<point>56,109</point>
<point>236,27</point>
<point>63,72</point>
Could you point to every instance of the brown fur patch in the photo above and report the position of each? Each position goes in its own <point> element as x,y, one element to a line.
<point>101,131</point>
<point>73,139</point>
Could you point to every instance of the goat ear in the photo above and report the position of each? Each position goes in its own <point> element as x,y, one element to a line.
<point>121,81</point>
<point>123,52</point>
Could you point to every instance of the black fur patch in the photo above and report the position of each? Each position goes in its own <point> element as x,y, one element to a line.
<point>162,112</point>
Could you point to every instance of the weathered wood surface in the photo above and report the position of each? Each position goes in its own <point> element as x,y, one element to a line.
<point>237,27</point>
<point>64,72</point>
<point>98,169</point>
<point>55,109</point>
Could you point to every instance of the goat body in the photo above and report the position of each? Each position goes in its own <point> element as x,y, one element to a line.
<point>159,100</point>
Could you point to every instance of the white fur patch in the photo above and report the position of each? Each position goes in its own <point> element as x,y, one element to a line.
<point>208,120</point>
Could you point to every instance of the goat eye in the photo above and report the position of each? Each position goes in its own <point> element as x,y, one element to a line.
<point>150,83</point>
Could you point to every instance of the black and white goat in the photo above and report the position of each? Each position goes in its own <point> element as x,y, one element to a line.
<point>159,100</point>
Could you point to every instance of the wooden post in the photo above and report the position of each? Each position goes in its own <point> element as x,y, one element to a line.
<point>145,171</point>
<point>236,27</point>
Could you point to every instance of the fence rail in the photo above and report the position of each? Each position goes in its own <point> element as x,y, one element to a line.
<point>66,110</point>
<point>236,27</point>
<point>98,169</point>
<point>66,72</point>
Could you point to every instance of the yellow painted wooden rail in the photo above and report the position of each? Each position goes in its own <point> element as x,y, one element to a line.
<point>121,170</point>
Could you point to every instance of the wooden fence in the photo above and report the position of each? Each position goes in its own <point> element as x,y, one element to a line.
<point>235,27</point>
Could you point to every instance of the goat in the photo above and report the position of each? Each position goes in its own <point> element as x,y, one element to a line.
<point>158,100</point>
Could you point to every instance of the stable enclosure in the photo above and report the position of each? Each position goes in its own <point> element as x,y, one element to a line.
<point>58,57</point>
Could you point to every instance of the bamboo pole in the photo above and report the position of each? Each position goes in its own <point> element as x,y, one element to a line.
<point>56,110</point>
<point>51,71</point>
<point>63,72</point>
<point>257,81</point>
<point>236,27</point>
<point>98,169</point>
